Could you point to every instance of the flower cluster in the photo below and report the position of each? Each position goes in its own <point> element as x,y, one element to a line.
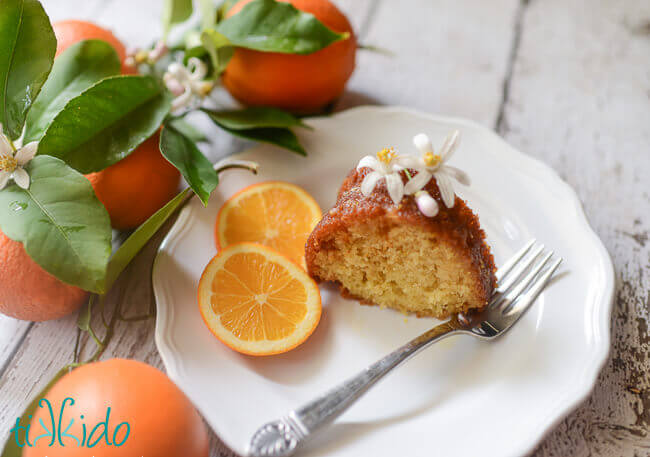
<point>13,161</point>
<point>136,56</point>
<point>388,165</point>
<point>188,84</point>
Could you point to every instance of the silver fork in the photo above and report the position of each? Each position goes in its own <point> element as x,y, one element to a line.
<point>520,279</point>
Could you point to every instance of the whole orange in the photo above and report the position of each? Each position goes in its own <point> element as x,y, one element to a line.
<point>298,83</point>
<point>137,186</point>
<point>72,31</point>
<point>30,293</point>
<point>142,410</point>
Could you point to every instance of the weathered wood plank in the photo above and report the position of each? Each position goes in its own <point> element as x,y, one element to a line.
<point>450,57</point>
<point>12,334</point>
<point>578,100</point>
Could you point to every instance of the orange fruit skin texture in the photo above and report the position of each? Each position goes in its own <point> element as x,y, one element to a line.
<point>72,31</point>
<point>28,292</point>
<point>162,420</point>
<point>298,83</point>
<point>137,186</point>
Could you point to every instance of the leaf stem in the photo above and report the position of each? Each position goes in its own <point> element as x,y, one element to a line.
<point>228,164</point>
<point>92,333</point>
<point>102,305</point>
<point>75,353</point>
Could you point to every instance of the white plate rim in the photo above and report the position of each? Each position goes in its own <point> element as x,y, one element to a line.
<point>521,162</point>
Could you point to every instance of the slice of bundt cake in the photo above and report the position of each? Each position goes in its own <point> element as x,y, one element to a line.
<point>399,237</point>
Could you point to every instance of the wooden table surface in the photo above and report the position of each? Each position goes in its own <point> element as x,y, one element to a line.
<point>566,81</point>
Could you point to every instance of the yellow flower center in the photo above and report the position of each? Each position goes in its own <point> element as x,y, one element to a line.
<point>386,155</point>
<point>431,159</point>
<point>206,88</point>
<point>8,163</point>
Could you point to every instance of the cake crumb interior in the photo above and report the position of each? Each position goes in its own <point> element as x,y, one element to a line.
<point>401,267</point>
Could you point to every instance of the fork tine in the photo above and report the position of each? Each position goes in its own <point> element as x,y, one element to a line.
<point>524,283</point>
<point>528,298</point>
<point>505,269</point>
<point>519,270</point>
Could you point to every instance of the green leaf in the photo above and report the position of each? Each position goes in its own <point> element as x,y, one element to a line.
<point>270,26</point>
<point>12,449</point>
<point>27,48</point>
<point>138,239</point>
<point>193,165</point>
<point>61,223</point>
<point>106,122</point>
<point>219,48</point>
<point>188,130</point>
<point>85,313</point>
<point>75,70</point>
<point>208,12</point>
<point>222,9</point>
<point>282,137</point>
<point>254,117</point>
<point>175,12</point>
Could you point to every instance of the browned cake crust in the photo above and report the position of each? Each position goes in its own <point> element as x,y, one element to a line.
<point>458,225</point>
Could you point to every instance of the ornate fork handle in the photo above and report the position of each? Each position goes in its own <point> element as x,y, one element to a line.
<point>281,437</point>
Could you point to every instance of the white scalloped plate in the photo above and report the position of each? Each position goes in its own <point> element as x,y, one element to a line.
<point>462,397</point>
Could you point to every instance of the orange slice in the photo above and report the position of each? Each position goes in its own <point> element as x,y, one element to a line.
<point>258,302</point>
<point>276,214</point>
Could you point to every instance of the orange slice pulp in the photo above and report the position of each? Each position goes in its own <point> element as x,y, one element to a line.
<point>276,214</point>
<point>256,301</point>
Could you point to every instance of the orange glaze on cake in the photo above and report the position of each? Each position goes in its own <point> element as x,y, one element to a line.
<point>456,228</point>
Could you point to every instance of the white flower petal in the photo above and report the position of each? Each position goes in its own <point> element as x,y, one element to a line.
<point>197,68</point>
<point>368,161</point>
<point>423,143</point>
<point>21,178</point>
<point>4,178</point>
<point>182,100</point>
<point>179,72</point>
<point>408,161</point>
<point>158,51</point>
<point>173,85</point>
<point>450,144</point>
<point>26,153</point>
<point>426,204</point>
<point>458,174</point>
<point>395,187</point>
<point>197,86</point>
<point>446,189</point>
<point>5,147</point>
<point>369,182</point>
<point>417,182</point>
